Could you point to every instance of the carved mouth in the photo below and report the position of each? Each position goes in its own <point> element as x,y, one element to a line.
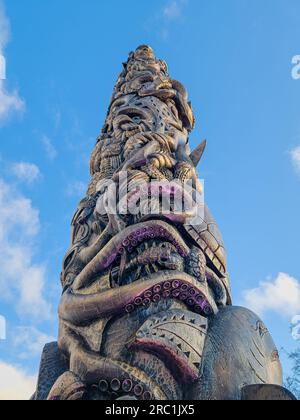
<point>127,241</point>
<point>155,246</point>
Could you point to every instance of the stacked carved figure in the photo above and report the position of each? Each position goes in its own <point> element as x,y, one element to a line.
<point>146,310</point>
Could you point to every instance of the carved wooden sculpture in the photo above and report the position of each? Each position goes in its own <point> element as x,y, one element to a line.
<point>146,306</point>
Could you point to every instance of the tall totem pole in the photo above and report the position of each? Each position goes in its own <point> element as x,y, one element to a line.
<point>146,310</point>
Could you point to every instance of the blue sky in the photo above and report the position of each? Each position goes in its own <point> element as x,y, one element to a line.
<point>62,60</point>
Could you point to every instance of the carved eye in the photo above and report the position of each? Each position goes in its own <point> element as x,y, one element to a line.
<point>136,120</point>
<point>69,259</point>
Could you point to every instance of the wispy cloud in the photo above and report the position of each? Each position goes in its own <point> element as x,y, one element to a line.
<point>171,12</point>
<point>30,341</point>
<point>26,172</point>
<point>49,148</point>
<point>295,156</point>
<point>281,295</point>
<point>4,27</point>
<point>22,281</point>
<point>166,19</point>
<point>15,384</point>
<point>76,189</point>
<point>174,9</point>
<point>9,101</point>
<point>57,116</point>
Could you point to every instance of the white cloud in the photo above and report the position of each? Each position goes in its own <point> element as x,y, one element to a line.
<point>9,101</point>
<point>281,295</point>
<point>21,280</point>
<point>295,155</point>
<point>31,341</point>
<point>26,172</point>
<point>4,27</point>
<point>76,189</point>
<point>163,22</point>
<point>57,117</point>
<point>15,384</point>
<point>174,9</point>
<point>49,148</point>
